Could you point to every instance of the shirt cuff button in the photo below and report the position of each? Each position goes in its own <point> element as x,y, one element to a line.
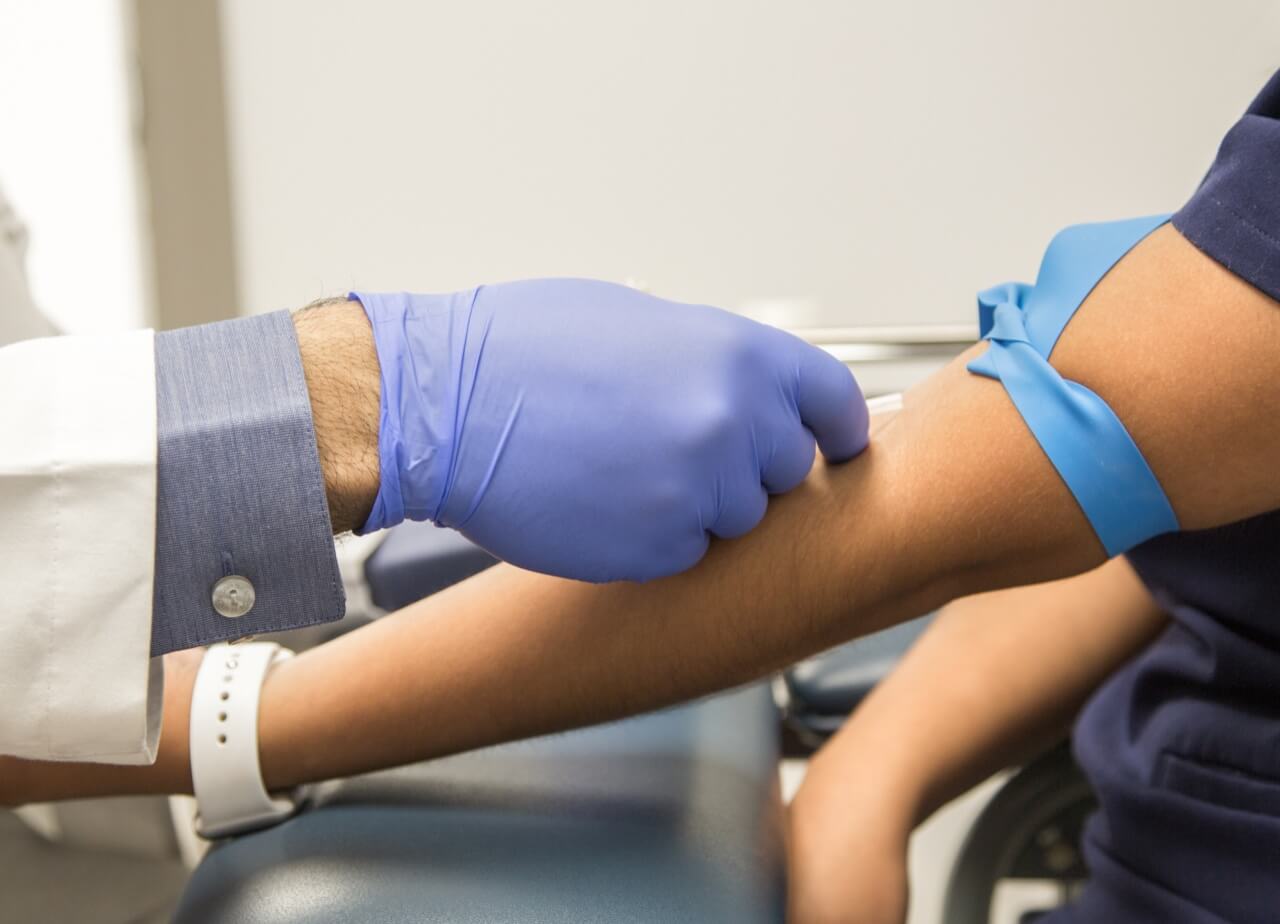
<point>233,596</point>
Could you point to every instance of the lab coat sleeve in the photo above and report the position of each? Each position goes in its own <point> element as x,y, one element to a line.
<point>77,548</point>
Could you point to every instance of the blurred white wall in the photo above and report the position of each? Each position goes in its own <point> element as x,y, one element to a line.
<point>869,163</point>
<point>68,158</point>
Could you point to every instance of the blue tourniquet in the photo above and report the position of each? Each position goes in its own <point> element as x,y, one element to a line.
<point>1078,431</point>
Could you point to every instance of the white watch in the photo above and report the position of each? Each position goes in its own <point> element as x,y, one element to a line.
<point>225,772</point>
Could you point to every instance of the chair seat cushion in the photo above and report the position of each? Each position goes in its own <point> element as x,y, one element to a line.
<point>673,816</point>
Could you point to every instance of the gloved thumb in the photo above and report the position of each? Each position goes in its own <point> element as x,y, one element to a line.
<point>830,403</point>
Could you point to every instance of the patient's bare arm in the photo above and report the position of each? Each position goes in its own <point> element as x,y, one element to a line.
<point>953,497</point>
<point>997,678</point>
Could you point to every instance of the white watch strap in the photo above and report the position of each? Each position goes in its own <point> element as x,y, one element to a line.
<point>225,772</point>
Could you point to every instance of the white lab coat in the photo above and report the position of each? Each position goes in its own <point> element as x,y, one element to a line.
<point>77,533</point>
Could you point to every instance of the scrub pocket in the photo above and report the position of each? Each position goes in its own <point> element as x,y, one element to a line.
<point>1220,784</point>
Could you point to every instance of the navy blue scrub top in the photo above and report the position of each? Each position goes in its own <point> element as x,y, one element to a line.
<point>1183,744</point>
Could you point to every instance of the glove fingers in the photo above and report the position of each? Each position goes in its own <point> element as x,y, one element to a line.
<point>741,513</point>
<point>790,463</point>
<point>831,404</point>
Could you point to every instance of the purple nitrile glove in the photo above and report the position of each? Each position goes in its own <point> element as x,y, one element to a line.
<point>588,430</point>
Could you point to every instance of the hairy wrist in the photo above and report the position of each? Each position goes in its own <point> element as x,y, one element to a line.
<point>341,368</point>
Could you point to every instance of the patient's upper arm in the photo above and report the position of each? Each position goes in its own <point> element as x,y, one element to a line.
<point>1188,356</point>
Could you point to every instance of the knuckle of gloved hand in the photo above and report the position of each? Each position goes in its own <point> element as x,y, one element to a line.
<point>797,452</point>
<point>672,540</point>
<point>744,349</point>
<point>710,425</point>
<point>667,495</point>
<point>687,551</point>
<point>750,507</point>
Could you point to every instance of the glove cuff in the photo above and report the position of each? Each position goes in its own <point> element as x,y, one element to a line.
<point>420,342</point>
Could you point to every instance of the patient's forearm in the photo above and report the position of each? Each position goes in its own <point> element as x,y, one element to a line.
<point>953,497</point>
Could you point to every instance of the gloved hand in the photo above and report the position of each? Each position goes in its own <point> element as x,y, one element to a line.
<point>588,430</point>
